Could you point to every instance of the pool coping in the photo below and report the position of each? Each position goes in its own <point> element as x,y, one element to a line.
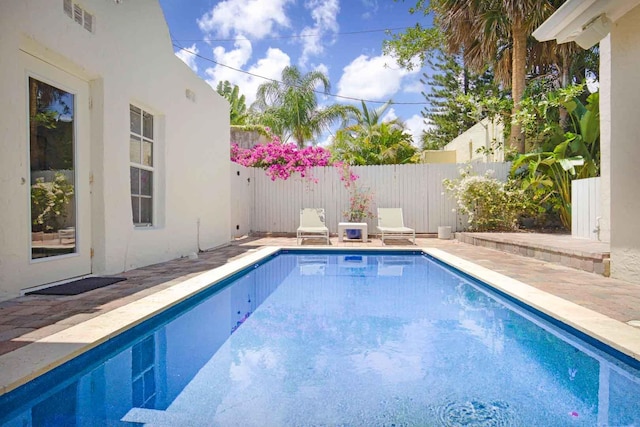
<point>26,363</point>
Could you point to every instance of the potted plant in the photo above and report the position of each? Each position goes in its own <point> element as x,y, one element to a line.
<point>360,200</point>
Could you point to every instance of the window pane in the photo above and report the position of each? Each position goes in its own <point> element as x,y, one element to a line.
<point>147,125</point>
<point>145,210</point>
<point>135,181</point>
<point>134,149</point>
<point>147,153</point>
<point>136,120</point>
<point>138,393</point>
<point>51,144</point>
<point>135,208</point>
<point>146,181</point>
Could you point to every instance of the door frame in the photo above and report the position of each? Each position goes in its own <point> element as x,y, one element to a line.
<point>60,267</point>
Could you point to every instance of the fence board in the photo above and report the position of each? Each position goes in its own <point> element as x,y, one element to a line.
<point>585,208</point>
<point>417,189</point>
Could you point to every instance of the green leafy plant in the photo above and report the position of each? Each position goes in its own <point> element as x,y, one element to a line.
<point>488,203</point>
<point>238,113</point>
<point>49,202</point>
<point>372,141</point>
<point>567,151</point>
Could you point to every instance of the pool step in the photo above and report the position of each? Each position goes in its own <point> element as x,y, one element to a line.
<point>581,254</point>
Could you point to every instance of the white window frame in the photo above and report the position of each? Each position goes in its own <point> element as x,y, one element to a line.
<point>138,133</point>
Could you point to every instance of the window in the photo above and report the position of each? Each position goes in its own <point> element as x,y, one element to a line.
<point>143,379</point>
<point>141,166</point>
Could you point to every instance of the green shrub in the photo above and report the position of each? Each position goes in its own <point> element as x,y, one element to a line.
<point>489,204</point>
<point>49,203</point>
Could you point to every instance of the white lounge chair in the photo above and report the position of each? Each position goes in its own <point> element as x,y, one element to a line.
<point>312,224</point>
<point>391,225</point>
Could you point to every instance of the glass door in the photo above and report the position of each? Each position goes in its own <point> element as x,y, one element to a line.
<point>52,127</point>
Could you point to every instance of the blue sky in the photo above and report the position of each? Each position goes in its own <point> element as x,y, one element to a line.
<point>264,36</point>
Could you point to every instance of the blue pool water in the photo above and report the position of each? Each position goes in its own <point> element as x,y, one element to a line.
<point>338,340</point>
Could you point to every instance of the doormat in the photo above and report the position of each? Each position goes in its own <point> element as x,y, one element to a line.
<point>78,286</point>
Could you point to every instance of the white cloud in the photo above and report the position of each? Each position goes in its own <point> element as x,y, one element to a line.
<point>372,6</point>
<point>416,125</point>
<point>414,86</point>
<point>254,18</point>
<point>270,66</point>
<point>188,56</point>
<point>236,57</point>
<point>375,78</point>
<point>390,115</point>
<point>322,68</point>
<point>324,14</point>
<point>325,140</point>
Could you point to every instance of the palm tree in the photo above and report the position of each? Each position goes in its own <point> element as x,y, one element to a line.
<point>495,31</point>
<point>371,141</point>
<point>290,107</point>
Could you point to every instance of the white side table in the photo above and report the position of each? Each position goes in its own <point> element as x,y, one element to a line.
<point>342,226</point>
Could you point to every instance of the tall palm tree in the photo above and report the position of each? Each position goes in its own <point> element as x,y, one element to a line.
<point>496,31</point>
<point>290,106</point>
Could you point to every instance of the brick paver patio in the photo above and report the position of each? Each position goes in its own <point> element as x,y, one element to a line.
<point>29,318</point>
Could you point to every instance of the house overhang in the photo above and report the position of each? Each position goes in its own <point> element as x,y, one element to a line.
<point>584,21</point>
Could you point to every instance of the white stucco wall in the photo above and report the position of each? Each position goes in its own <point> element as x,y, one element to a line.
<point>625,147</point>
<point>484,134</point>
<point>128,59</point>
<point>605,140</point>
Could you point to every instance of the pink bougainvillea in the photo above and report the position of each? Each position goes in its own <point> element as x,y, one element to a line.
<point>360,199</point>
<point>279,160</point>
<point>346,174</point>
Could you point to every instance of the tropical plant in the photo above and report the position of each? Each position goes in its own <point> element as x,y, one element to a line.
<point>290,106</point>
<point>238,113</point>
<point>49,202</point>
<point>565,153</point>
<point>371,141</point>
<point>279,160</point>
<point>489,204</point>
<point>360,199</point>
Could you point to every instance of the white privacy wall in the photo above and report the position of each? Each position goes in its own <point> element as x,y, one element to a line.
<point>477,142</point>
<point>417,189</point>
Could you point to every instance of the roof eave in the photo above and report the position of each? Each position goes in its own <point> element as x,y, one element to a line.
<point>583,21</point>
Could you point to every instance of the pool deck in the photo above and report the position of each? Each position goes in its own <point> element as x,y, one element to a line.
<point>28,319</point>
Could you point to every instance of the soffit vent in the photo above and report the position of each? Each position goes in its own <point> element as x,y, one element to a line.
<point>88,21</point>
<point>79,15</point>
<point>67,6</point>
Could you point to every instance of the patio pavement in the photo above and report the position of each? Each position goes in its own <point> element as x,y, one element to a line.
<point>29,318</point>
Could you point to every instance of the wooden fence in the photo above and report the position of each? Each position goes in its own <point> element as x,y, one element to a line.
<point>262,205</point>
<point>585,208</point>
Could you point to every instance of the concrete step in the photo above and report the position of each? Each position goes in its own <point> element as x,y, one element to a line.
<point>581,254</point>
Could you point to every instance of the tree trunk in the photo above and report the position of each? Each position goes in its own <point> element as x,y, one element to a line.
<point>518,75</point>
<point>564,82</point>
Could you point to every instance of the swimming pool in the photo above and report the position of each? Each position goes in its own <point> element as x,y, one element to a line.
<point>358,338</point>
